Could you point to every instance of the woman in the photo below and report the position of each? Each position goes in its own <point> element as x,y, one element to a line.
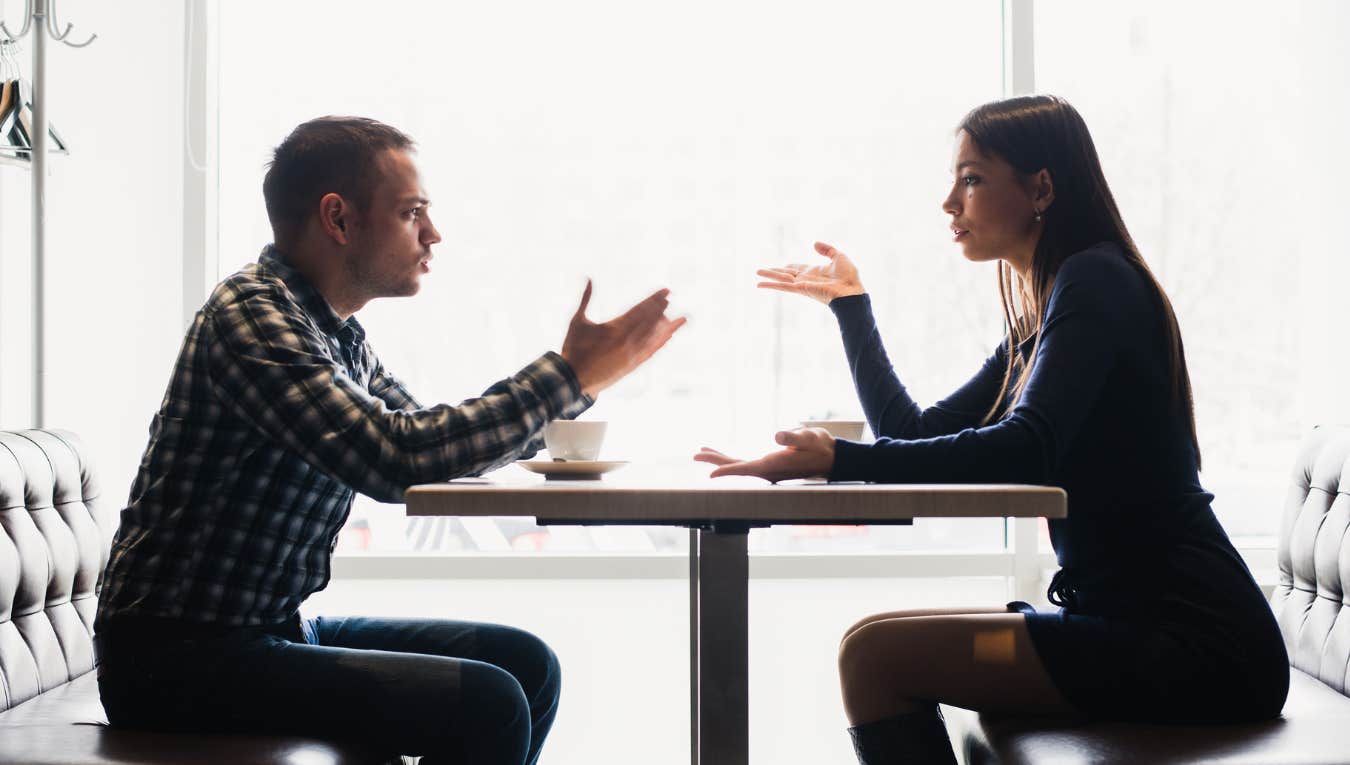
<point>1159,618</point>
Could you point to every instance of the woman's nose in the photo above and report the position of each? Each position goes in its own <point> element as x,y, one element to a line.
<point>952,204</point>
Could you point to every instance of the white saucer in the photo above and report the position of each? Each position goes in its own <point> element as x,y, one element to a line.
<point>575,470</point>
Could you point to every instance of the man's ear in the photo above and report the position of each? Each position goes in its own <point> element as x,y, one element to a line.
<point>335,217</point>
<point>1043,189</point>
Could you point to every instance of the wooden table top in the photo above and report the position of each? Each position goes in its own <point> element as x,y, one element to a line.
<point>655,498</point>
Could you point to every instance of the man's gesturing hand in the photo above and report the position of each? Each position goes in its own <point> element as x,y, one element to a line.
<point>603,354</point>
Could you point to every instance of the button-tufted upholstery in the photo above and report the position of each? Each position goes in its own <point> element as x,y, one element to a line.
<point>1314,557</point>
<point>57,531</point>
<point>1314,615</point>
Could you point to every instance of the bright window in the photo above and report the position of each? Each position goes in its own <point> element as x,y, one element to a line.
<point>645,149</point>
<point>686,148</point>
<point>1212,128</point>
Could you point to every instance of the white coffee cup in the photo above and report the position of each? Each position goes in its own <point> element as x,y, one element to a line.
<point>849,430</point>
<point>574,440</point>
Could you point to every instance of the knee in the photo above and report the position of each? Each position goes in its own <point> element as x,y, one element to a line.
<point>858,653</point>
<point>497,725</point>
<point>848,654</point>
<point>497,694</point>
<point>531,661</point>
<point>863,622</point>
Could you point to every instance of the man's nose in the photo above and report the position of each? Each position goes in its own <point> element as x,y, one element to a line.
<point>430,235</point>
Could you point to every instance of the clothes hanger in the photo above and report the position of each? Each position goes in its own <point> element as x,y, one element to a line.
<point>4,96</point>
<point>16,134</point>
<point>23,115</point>
<point>58,146</point>
<point>13,142</point>
<point>8,69</point>
<point>25,100</point>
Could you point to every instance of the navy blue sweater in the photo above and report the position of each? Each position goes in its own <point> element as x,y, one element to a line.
<point>1096,418</point>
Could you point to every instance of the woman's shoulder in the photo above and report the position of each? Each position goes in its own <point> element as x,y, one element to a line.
<point>1100,270</point>
<point>1103,282</point>
<point>1104,260</point>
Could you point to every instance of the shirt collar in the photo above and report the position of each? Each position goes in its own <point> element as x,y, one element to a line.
<point>309,298</point>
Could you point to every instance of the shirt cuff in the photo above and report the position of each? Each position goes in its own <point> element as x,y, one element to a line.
<point>850,461</point>
<point>557,384</point>
<point>851,305</point>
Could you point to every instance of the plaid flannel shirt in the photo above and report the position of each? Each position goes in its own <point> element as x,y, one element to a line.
<point>277,412</point>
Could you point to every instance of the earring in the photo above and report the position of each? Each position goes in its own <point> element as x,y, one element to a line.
<point>1037,217</point>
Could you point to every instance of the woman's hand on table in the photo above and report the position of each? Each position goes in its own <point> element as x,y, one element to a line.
<point>836,278</point>
<point>808,453</point>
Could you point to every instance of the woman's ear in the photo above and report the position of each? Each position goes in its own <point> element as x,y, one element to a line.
<point>333,217</point>
<point>1043,190</point>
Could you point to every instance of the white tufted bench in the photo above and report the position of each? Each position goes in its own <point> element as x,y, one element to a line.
<point>56,534</point>
<point>1313,611</point>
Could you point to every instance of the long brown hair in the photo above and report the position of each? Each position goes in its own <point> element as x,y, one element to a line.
<point>1040,132</point>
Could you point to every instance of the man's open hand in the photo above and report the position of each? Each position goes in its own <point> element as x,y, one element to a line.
<point>603,354</point>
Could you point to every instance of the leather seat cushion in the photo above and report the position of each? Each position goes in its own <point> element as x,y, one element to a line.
<point>1313,730</point>
<point>66,726</point>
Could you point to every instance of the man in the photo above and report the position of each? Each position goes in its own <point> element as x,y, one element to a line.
<point>278,410</point>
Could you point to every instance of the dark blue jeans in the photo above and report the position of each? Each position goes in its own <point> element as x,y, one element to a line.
<point>450,691</point>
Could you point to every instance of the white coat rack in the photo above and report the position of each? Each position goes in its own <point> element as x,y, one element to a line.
<point>39,19</point>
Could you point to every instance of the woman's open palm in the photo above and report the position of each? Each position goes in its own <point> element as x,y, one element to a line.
<point>835,278</point>
<point>807,453</point>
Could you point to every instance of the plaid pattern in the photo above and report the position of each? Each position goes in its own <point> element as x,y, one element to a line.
<point>276,413</point>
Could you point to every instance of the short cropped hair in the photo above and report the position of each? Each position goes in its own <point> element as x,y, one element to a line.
<point>327,155</point>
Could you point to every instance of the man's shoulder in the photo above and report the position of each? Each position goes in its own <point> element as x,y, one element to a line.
<point>252,284</point>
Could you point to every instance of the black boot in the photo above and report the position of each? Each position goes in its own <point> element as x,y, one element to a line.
<point>916,738</point>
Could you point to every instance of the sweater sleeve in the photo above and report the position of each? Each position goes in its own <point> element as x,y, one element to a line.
<point>889,409</point>
<point>1080,341</point>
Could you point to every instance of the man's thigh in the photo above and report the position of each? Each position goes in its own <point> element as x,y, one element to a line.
<point>408,692</point>
<point>524,656</point>
<point>434,637</point>
<point>411,702</point>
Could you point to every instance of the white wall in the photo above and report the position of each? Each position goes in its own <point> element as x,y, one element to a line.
<point>16,349</point>
<point>114,223</point>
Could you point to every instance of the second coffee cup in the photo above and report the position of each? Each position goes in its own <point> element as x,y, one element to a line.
<point>849,430</point>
